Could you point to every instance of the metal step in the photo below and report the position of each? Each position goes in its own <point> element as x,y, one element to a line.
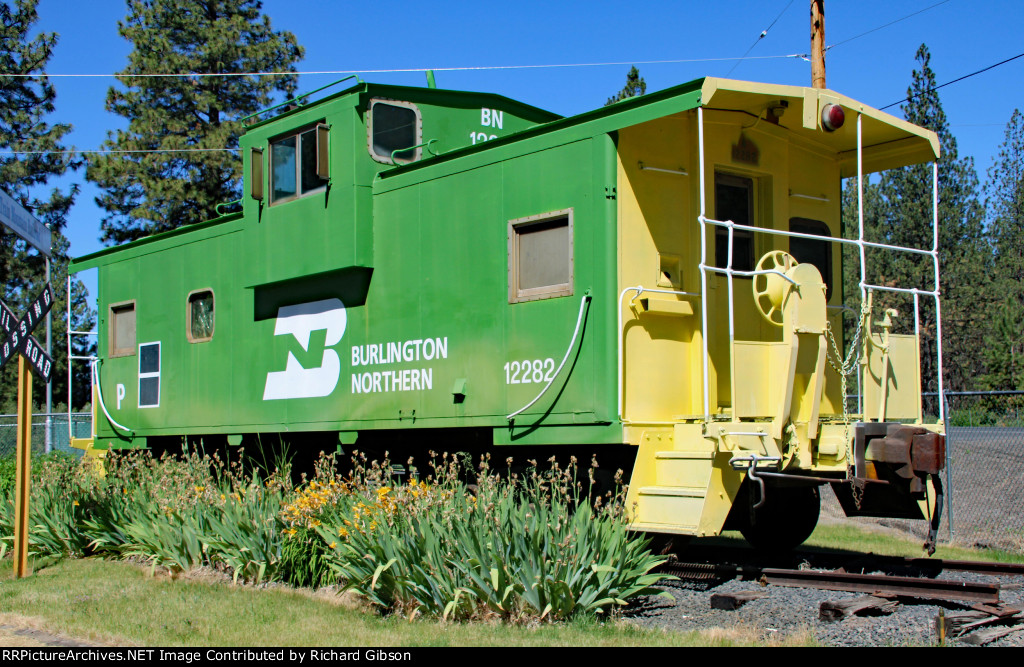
<point>676,491</point>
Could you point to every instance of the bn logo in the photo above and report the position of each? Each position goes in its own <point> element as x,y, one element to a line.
<point>300,321</point>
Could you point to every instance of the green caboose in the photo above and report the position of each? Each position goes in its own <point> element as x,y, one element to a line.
<point>657,279</point>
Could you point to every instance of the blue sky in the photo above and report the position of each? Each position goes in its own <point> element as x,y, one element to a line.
<point>963,36</point>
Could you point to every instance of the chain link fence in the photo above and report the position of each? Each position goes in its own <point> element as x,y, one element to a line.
<point>984,476</point>
<point>985,459</point>
<point>47,429</point>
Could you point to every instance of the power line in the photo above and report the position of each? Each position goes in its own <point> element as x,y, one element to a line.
<point>965,76</point>
<point>920,11</point>
<point>107,152</point>
<point>760,37</point>
<point>403,70</point>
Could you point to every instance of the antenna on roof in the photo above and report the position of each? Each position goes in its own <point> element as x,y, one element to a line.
<point>430,79</point>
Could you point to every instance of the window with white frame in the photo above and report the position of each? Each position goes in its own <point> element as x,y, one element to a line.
<point>149,375</point>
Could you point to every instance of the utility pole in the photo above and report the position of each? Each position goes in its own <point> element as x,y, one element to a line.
<point>818,43</point>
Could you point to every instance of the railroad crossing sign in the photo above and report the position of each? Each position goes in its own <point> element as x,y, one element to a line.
<point>19,334</point>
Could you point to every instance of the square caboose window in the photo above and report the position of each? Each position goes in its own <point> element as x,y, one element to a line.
<point>734,200</point>
<point>122,329</point>
<point>812,251</point>
<point>299,164</point>
<point>540,262</point>
<point>394,126</point>
<point>200,316</point>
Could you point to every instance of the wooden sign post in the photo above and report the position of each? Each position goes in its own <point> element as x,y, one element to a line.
<point>23,471</point>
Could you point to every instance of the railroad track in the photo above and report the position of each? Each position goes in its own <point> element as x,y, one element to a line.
<point>717,561</point>
<point>923,588</point>
<point>977,610</point>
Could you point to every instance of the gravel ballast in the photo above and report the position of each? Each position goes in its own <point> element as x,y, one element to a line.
<point>793,612</point>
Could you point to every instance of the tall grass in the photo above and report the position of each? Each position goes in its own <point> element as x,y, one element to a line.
<point>175,513</point>
<point>507,547</point>
<point>58,492</point>
<point>516,548</point>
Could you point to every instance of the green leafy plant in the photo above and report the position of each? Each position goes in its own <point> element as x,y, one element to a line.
<point>516,548</point>
<point>58,487</point>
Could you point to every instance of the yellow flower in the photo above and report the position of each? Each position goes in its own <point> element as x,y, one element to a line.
<point>222,497</point>
<point>332,545</point>
<point>75,504</point>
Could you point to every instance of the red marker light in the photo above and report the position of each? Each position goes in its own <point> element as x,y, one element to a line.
<point>832,117</point>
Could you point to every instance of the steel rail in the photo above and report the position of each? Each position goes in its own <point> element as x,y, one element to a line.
<point>914,587</point>
<point>722,559</point>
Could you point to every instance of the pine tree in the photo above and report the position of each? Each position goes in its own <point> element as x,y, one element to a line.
<point>38,155</point>
<point>198,116</point>
<point>1004,345</point>
<point>898,211</point>
<point>635,86</point>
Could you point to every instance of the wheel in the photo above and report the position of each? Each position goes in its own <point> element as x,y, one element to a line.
<point>787,518</point>
<point>770,289</point>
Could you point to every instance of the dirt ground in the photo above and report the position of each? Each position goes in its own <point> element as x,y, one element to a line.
<point>23,631</point>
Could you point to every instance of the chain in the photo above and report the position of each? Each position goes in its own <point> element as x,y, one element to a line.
<point>844,367</point>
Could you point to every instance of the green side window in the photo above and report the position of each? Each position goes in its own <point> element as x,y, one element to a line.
<point>200,316</point>
<point>122,329</point>
<point>282,157</point>
<point>299,164</point>
<point>393,127</point>
<point>311,180</point>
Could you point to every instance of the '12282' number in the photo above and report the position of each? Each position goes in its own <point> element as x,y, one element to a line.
<point>529,371</point>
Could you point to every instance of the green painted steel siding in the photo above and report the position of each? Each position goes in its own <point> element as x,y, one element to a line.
<point>218,386</point>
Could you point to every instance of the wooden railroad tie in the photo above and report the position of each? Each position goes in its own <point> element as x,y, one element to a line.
<point>837,610</point>
<point>733,601</point>
<point>1005,618</point>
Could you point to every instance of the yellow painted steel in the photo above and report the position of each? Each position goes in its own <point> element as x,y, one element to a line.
<point>889,142</point>
<point>92,454</point>
<point>772,392</point>
<point>895,368</point>
<point>661,331</point>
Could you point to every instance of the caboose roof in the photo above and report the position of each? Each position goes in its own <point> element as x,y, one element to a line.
<point>438,96</point>
<point>888,142</point>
